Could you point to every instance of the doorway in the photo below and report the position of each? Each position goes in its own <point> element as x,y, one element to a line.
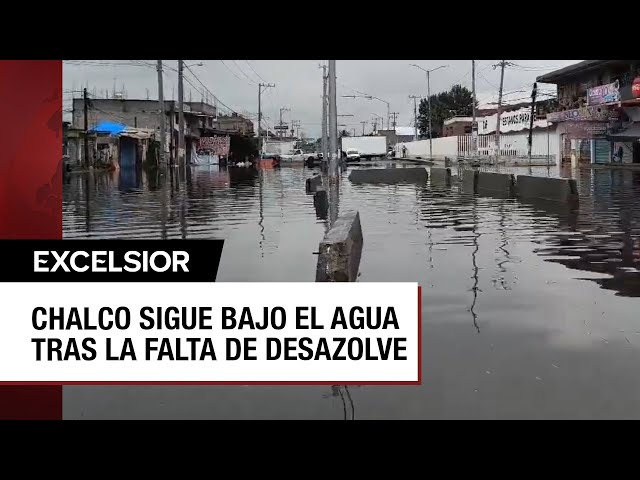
<point>636,152</point>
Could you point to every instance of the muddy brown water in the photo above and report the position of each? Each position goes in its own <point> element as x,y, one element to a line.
<point>530,310</point>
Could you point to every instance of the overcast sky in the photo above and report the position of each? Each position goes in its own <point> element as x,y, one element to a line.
<point>299,85</point>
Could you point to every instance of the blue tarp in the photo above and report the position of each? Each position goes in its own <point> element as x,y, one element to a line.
<point>112,128</point>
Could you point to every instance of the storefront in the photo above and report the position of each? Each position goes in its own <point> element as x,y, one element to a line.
<point>625,142</point>
<point>583,133</point>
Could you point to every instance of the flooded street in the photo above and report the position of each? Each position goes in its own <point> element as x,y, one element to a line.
<point>529,310</point>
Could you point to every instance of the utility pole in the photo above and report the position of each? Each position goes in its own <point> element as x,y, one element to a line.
<point>180,112</point>
<point>533,112</point>
<point>295,127</point>
<point>282,109</point>
<point>260,89</point>
<point>474,126</point>
<point>86,128</point>
<point>333,120</point>
<point>415,116</point>
<point>394,115</point>
<point>363,124</point>
<point>163,141</point>
<point>325,149</point>
<point>429,103</point>
<point>502,64</point>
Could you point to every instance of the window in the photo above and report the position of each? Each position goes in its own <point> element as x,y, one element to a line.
<point>467,129</point>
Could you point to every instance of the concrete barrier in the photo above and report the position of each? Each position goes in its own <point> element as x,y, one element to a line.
<point>440,175</point>
<point>340,250</point>
<point>389,175</point>
<point>321,203</point>
<point>552,189</point>
<point>501,183</point>
<point>312,183</point>
<point>470,181</point>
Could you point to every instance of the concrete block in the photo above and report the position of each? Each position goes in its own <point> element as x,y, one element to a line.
<point>389,175</point>
<point>470,181</point>
<point>500,183</point>
<point>312,183</point>
<point>340,250</point>
<point>321,203</point>
<point>552,189</point>
<point>440,175</point>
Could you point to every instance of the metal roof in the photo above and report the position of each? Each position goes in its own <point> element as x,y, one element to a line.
<point>577,69</point>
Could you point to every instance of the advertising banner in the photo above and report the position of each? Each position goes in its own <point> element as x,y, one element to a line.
<point>509,122</point>
<point>215,145</point>
<point>604,94</point>
<point>585,130</point>
<point>584,114</point>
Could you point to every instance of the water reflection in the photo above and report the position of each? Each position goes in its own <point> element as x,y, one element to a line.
<point>476,246</point>
<point>346,401</point>
<point>537,276</point>
<point>601,235</point>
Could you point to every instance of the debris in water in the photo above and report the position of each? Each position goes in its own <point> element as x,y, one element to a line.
<point>554,365</point>
<point>625,337</point>
<point>538,378</point>
<point>488,372</point>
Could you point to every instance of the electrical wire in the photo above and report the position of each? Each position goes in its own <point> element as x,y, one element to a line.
<point>253,70</point>
<point>242,71</point>
<point>232,72</point>
<point>231,110</point>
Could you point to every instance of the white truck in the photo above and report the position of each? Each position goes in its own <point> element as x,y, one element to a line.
<point>298,156</point>
<point>367,146</point>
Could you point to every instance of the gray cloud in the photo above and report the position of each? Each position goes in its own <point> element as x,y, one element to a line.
<point>299,84</point>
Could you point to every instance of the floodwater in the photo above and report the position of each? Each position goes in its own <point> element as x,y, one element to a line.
<point>530,310</point>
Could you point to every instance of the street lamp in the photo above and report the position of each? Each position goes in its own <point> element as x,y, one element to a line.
<point>428,72</point>
<point>371,97</point>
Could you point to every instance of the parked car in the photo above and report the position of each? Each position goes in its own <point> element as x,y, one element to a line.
<point>299,156</point>
<point>353,155</point>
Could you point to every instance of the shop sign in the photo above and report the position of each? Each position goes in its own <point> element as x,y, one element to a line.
<point>585,130</point>
<point>635,88</point>
<point>509,122</point>
<point>584,114</point>
<point>604,94</point>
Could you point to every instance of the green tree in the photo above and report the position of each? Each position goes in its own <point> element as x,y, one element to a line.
<point>343,133</point>
<point>456,102</point>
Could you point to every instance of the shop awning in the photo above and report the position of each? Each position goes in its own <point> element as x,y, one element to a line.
<point>630,134</point>
<point>112,128</point>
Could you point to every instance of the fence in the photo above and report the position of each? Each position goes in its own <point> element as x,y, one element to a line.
<point>513,146</point>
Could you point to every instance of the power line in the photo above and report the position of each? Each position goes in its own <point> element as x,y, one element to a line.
<point>232,72</point>
<point>253,70</point>
<point>205,87</point>
<point>242,72</point>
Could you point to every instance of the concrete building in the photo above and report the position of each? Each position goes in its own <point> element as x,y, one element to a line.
<point>235,123</point>
<point>201,119</point>
<point>598,111</point>
<point>398,135</point>
<point>457,126</point>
